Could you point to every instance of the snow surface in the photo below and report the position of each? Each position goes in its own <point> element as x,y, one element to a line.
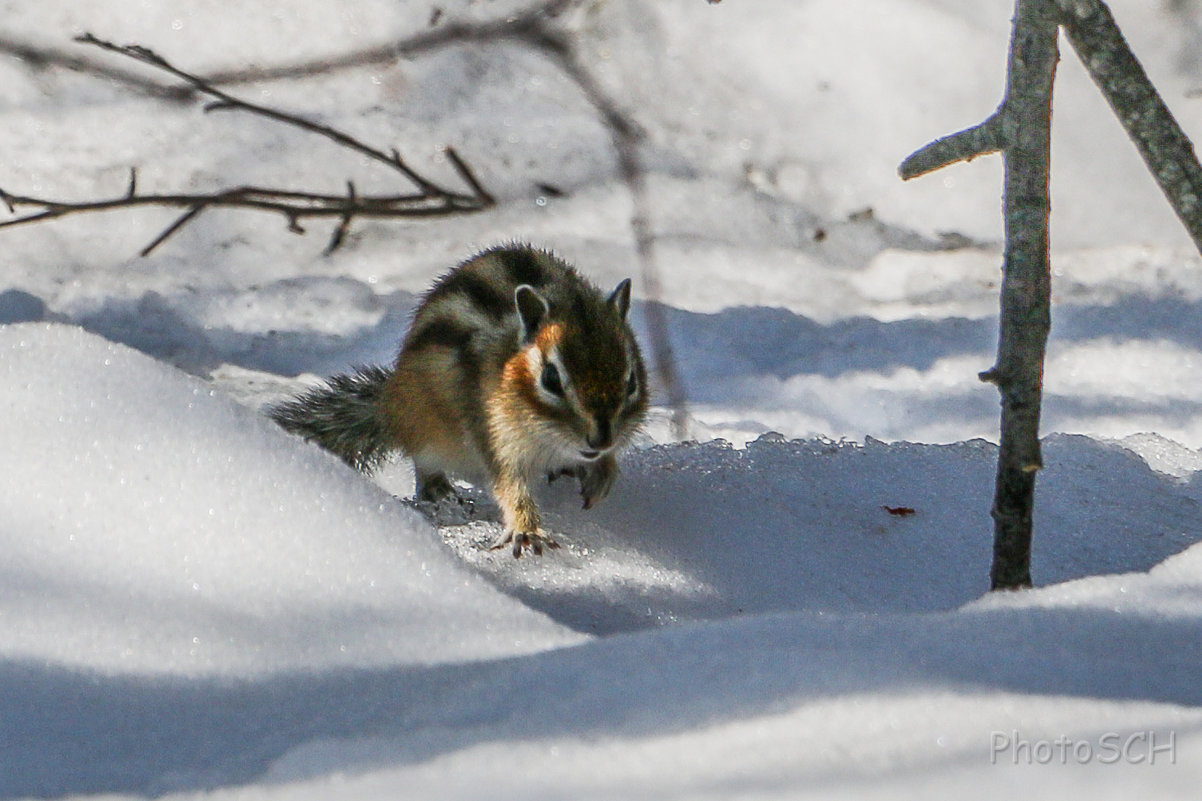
<point>194,604</point>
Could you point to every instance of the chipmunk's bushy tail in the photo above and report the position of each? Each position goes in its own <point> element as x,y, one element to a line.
<point>344,416</point>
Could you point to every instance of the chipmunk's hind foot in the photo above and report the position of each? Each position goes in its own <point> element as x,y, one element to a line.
<point>436,488</point>
<point>445,504</point>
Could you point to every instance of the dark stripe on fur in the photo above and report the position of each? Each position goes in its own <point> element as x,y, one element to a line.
<point>523,267</point>
<point>449,333</point>
<point>484,294</point>
<point>344,416</point>
<point>440,331</point>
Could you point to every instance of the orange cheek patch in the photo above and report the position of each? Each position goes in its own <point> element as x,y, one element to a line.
<point>516,378</point>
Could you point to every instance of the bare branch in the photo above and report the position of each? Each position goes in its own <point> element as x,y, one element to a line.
<point>1165,148</point>
<point>1026,288</point>
<point>227,102</point>
<point>294,206</point>
<point>469,178</point>
<point>1021,130</point>
<point>516,26</point>
<point>966,145</point>
<point>429,200</point>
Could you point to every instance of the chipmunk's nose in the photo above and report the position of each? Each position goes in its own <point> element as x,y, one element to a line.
<point>602,436</point>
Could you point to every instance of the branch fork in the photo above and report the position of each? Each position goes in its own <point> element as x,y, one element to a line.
<point>429,199</point>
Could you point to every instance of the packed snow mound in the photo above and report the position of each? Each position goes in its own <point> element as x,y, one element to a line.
<point>150,524</point>
<point>783,703</point>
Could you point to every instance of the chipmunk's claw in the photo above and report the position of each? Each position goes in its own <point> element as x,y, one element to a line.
<point>596,480</point>
<point>520,540</point>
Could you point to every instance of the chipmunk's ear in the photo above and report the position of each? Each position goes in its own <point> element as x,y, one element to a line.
<point>532,310</point>
<point>620,298</point>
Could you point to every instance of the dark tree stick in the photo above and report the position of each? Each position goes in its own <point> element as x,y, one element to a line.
<point>1165,148</point>
<point>1026,287</point>
<point>344,225</point>
<point>179,223</point>
<point>1021,130</point>
<point>1023,124</point>
<point>469,177</point>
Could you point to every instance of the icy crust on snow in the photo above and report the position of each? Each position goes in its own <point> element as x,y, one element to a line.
<point>149,524</point>
<point>702,531</point>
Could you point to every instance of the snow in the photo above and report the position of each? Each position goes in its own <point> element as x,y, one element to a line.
<point>792,603</point>
<point>182,542</point>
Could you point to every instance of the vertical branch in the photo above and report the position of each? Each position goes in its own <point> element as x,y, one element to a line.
<point>1026,286</point>
<point>1021,130</point>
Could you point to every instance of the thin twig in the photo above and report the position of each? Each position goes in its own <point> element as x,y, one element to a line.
<point>227,102</point>
<point>469,177</point>
<point>294,206</point>
<point>344,224</point>
<point>429,200</point>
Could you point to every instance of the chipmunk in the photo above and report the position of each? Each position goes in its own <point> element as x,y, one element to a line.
<point>514,367</point>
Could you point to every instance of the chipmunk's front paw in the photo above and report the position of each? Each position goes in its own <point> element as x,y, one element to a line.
<point>520,540</point>
<point>597,479</point>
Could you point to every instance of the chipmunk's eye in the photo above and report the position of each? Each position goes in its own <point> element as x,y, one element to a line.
<point>551,380</point>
